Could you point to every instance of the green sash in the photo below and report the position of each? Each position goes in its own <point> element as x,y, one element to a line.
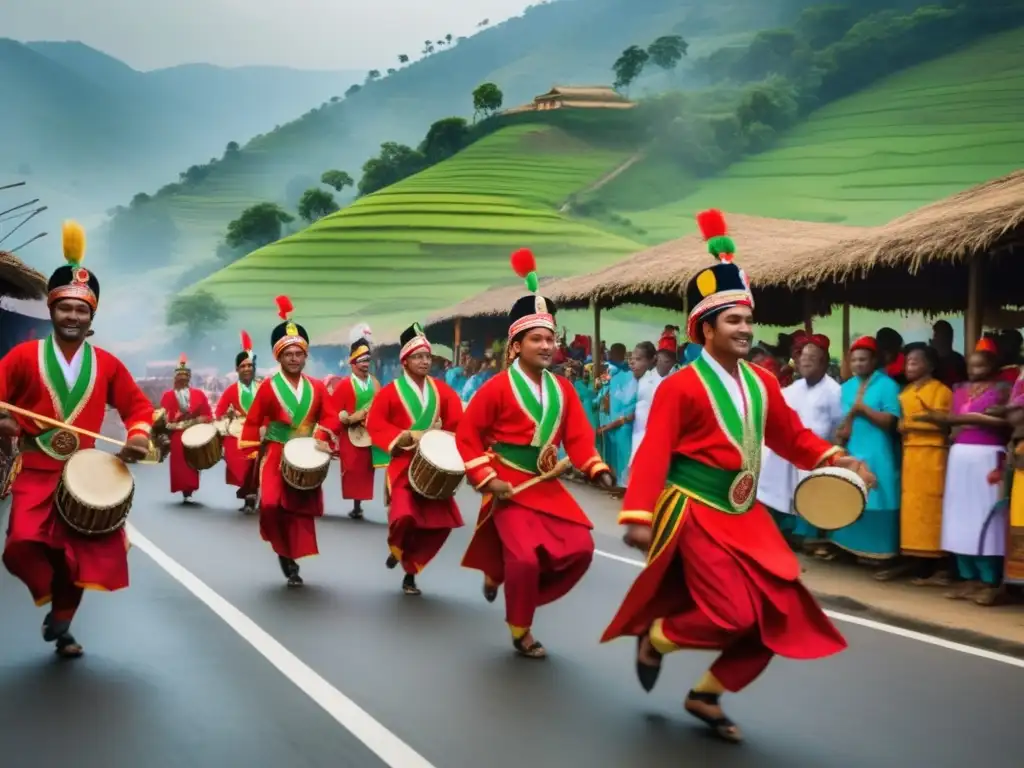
<point>708,485</point>
<point>296,409</point>
<point>246,394</point>
<point>67,401</point>
<point>522,457</point>
<point>546,415</point>
<point>423,415</point>
<point>364,396</point>
<point>744,431</point>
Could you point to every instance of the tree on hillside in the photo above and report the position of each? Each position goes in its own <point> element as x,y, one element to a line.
<point>315,204</point>
<point>391,71</point>
<point>428,48</point>
<point>258,225</point>
<point>444,138</point>
<point>667,51</point>
<point>822,25</point>
<point>448,38</point>
<point>394,163</point>
<point>353,89</point>
<point>231,147</point>
<point>629,65</point>
<point>487,99</point>
<point>337,180</point>
<point>197,313</point>
<point>373,74</point>
<point>403,58</point>
<point>484,23</point>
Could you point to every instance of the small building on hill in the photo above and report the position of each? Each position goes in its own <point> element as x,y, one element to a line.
<point>576,97</point>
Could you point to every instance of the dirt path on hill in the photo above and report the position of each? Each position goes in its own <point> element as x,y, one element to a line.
<point>610,176</point>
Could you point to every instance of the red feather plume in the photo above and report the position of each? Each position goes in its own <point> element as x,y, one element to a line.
<point>523,262</point>
<point>711,223</point>
<point>246,342</point>
<point>284,307</point>
<point>182,359</point>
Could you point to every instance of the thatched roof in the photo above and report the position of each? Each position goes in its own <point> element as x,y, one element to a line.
<point>582,93</point>
<point>918,262</point>
<point>18,280</point>
<point>657,277</point>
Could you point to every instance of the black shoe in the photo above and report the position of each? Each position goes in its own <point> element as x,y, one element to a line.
<point>52,630</point>
<point>490,592</point>
<point>409,585</point>
<point>67,647</point>
<point>391,562</point>
<point>295,580</point>
<point>647,674</point>
<point>288,566</point>
<point>356,513</point>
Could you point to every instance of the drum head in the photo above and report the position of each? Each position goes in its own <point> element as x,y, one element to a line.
<point>97,478</point>
<point>439,448</point>
<point>198,434</point>
<point>359,437</point>
<point>831,498</point>
<point>235,428</point>
<point>302,453</point>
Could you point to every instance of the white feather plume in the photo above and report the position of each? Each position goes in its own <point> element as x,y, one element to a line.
<point>360,331</point>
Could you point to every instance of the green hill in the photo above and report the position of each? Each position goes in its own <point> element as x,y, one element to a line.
<point>915,137</point>
<point>436,237</point>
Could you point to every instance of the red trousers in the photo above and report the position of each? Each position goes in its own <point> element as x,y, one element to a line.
<point>238,469</point>
<point>54,562</point>
<point>356,471</point>
<point>544,557</point>
<point>184,479</point>
<point>287,516</point>
<point>418,527</point>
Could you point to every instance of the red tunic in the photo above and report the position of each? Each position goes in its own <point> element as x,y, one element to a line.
<point>739,578</point>
<point>238,464</point>
<point>417,527</point>
<point>31,378</point>
<point>538,544</point>
<point>287,515</point>
<point>357,463</point>
<point>184,479</point>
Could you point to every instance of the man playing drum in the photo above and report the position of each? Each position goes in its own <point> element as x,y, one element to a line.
<point>400,413</point>
<point>719,575</point>
<point>184,405</point>
<point>239,469</point>
<point>288,405</point>
<point>537,543</point>
<point>66,379</point>
<point>351,400</point>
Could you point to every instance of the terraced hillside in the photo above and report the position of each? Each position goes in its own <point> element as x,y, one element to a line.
<point>915,137</point>
<point>436,237</point>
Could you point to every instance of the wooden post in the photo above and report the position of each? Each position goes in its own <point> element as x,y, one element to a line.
<point>596,339</point>
<point>975,292</point>
<point>844,365</point>
<point>458,343</point>
<point>808,313</point>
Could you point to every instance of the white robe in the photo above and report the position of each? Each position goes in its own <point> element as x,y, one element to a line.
<point>820,411</point>
<point>645,389</point>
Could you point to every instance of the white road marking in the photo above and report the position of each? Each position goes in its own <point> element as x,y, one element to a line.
<point>908,634</point>
<point>387,746</point>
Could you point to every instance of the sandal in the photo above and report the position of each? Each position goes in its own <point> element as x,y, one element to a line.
<point>723,727</point>
<point>532,651</point>
<point>646,673</point>
<point>68,647</point>
<point>490,591</point>
<point>391,562</point>
<point>356,514</point>
<point>988,596</point>
<point>409,586</point>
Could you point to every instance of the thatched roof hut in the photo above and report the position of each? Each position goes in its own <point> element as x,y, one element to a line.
<point>18,280</point>
<point>921,261</point>
<point>657,277</point>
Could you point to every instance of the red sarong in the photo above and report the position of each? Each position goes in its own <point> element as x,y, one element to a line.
<point>727,582</point>
<point>238,469</point>
<point>54,562</point>
<point>184,479</point>
<point>418,527</point>
<point>287,516</point>
<point>356,470</point>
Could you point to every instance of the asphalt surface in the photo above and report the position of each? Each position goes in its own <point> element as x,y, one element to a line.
<point>168,682</point>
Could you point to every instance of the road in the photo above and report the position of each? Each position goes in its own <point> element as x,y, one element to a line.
<point>208,660</point>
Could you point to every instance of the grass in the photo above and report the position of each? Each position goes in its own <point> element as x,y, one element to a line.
<point>434,238</point>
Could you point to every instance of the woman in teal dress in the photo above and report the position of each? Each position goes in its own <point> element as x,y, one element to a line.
<point>618,428</point>
<point>870,402</point>
<point>457,376</point>
<point>584,386</point>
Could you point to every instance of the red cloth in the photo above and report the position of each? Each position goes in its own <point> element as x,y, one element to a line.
<point>865,342</point>
<point>1008,373</point>
<point>414,522</point>
<point>356,463</point>
<point>669,341</point>
<point>238,464</point>
<point>184,479</point>
<point>895,369</point>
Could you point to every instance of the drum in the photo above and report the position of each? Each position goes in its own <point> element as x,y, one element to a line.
<point>235,428</point>
<point>304,466</point>
<point>831,498</point>
<point>95,492</point>
<point>359,437</point>
<point>202,446</point>
<point>437,469</point>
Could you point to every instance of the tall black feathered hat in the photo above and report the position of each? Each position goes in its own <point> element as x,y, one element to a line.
<point>246,354</point>
<point>289,333</point>
<point>532,310</point>
<point>73,281</point>
<point>413,339</point>
<point>721,286</point>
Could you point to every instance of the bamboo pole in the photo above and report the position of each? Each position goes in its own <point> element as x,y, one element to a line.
<point>808,313</point>
<point>975,294</point>
<point>457,357</point>
<point>844,365</point>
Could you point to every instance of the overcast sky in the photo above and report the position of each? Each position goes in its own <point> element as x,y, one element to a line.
<point>307,34</point>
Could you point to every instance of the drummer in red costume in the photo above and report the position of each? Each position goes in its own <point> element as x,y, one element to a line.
<point>239,469</point>
<point>65,378</point>
<point>719,574</point>
<point>413,403</point>
<point>288,404</point>
<point>351,400</point>
<point>185,405</point>
<point>537,543</point>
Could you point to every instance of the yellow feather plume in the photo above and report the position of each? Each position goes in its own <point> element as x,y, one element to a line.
<point>74,242</point>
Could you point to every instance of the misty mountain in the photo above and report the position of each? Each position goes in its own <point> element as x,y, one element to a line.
<point>79,122</point>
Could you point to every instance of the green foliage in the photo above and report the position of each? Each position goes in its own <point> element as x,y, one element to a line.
<point>337,180</point>
<point>352,90</point>
<point>394,163</point>
<point>257,226</point>
<point>315,204</point>
<point>629,65</point>
<point>444,139</point>
<point>487,99</point>
<point>667,51</point>
<point>196,313</point>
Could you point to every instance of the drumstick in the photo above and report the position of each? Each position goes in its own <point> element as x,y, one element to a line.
<point>555,471</point>
<point>60,424</point>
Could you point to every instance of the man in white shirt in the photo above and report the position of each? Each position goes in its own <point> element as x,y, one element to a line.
<point>815,398</point>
